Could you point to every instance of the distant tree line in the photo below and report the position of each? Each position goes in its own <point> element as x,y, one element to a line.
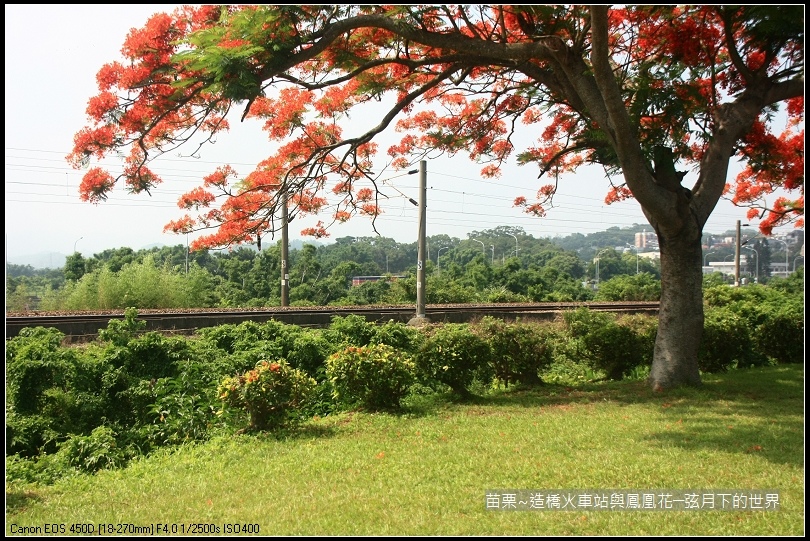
<point>504,264</point>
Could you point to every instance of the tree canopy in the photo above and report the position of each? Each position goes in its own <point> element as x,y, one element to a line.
<point>638,90</point>
<point>477,73</point>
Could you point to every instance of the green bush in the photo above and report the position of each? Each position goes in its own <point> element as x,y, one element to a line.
<point>376,376</point>
<point>452,355</point>
<point>91,453</point>
<point>645,329</point>
<point>43,469</point>
<point>726,341</point>
<point>501,294</point>
<point>244,336</point>
<point>120,332</point>
<point>185,406</point>
<point>246,359</point>
<point>34,362</point>
<point>780,336</point>
<point>774,316</point>
<point>443,292</point>
<point>309,352</point>
<point>352,330</point>
<point>270,394</point>
<point>397,335</point>
<point>519,350</point>
<point>29,435</point>
<point>609,346</point>
<point>153,355</point>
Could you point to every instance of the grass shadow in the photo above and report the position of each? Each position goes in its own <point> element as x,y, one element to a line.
<point>755,410</point>
<point>18,499</point>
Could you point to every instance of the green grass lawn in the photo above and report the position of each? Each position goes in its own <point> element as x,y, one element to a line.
<point>426,471</point>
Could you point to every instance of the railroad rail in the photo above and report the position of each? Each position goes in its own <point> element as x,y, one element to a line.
<point>85,325</point>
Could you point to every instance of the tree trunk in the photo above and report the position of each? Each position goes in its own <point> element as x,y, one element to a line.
<point>680,318</point>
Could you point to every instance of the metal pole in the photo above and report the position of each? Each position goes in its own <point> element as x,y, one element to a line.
<point>737,257</point>
<point>516,243</point>
<point>285,251</point>
<point>787,271</point>
<point>422,244</point>
<point>756,261</point>
<point>597,272</point>
<point>438,261</point>
<point>483,248</point>
<point>634,247</point>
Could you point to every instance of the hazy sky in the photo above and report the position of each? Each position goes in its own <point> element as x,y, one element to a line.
<point>53,53</point>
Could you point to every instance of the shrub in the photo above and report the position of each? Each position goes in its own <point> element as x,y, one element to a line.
<point>609,346</point>
<point>42,469</point>
<point>153,355</point>
<point>35,364</point>
<point>185,406</point>
<point>353,330</point>
<point>452,355</point>
<point>91,453</point>
<point>270,393</point>
<point>376,376</point>
<point>397,335</point>
<point>29,435</point>
<point>244,336</point>
<point>645,329</point>
<point>309,352</point>
<point>726,341</point>
<point>120,332</point>
<point>780,336</point>
<point>519,350</point>
<point>501,294</point>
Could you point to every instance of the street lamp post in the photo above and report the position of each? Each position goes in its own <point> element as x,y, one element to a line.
<point>438,262</point>
<point>786,255</point>
<point>636,249</point>
<point>74,244</point>
<point>737,256</point>
<point>706,259</point>
<point>483,248</point>
<point>794,261</point>
<point>493,254</point>
<point>597,265</point>
<point>757,261</point>
<point>516,243</point>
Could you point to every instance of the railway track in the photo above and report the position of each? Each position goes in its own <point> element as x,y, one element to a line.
<point>85,325</point>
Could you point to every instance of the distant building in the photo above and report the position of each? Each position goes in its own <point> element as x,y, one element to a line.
<point>646,240</point>
<point>729,268</point>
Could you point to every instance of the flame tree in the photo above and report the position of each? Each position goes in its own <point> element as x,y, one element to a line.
<point>647,92</point>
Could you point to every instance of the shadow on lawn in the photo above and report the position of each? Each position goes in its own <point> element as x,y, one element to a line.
<point>18,499</point>
<point>749,411</point>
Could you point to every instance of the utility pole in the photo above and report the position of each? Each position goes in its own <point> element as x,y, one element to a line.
<point>737,257</point>
<point>285,251</point>
<point>421,248</point>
